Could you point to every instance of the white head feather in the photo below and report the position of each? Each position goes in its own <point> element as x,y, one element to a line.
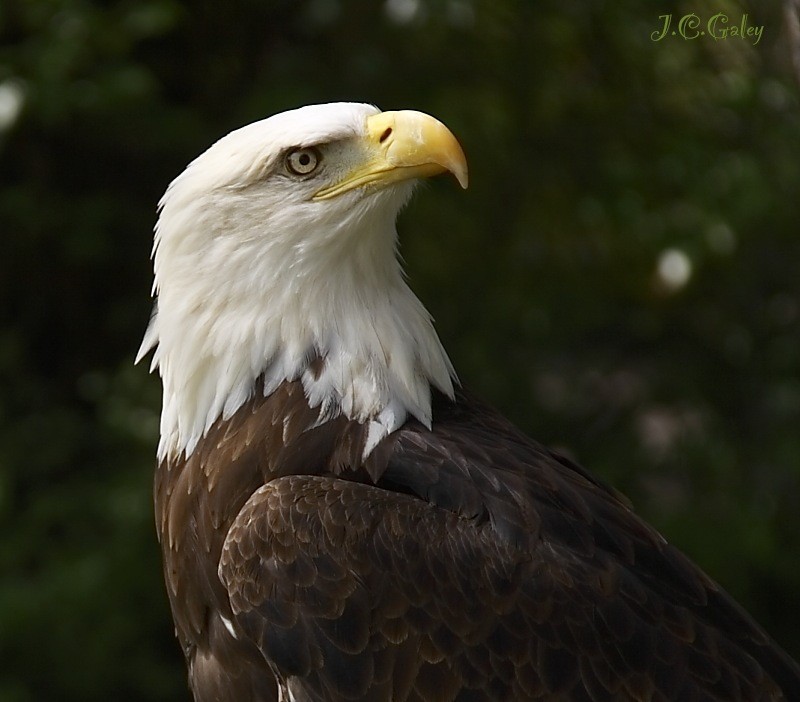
<point>255,279</point>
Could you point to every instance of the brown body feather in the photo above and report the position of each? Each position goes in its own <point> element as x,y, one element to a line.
<point>461,562</point>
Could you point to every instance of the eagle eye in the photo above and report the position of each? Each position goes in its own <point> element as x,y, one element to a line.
<point>303,161</point>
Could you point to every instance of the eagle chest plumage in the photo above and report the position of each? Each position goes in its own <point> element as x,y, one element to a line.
<point>338,521</point>
<point>197,501</point>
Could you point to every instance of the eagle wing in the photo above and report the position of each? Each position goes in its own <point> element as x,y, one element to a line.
<point>481,566</point>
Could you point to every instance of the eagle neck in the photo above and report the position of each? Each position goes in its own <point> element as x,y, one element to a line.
<point>339,317</point>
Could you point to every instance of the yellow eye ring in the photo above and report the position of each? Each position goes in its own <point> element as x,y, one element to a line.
<point>304,161</point>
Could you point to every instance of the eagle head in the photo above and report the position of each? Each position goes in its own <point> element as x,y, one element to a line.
<point>275,260</point>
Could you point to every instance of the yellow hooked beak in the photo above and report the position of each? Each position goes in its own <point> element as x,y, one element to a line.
<point>402,145</point>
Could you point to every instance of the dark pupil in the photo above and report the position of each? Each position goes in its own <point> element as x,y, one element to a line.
<point>305,159</point>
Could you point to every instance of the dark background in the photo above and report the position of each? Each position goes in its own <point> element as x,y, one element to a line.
<point>621,278</point>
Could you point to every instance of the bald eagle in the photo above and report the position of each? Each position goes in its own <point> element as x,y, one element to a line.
<point>341,521</point>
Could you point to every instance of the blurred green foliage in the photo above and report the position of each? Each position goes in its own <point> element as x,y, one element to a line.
<point>621,278</point>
